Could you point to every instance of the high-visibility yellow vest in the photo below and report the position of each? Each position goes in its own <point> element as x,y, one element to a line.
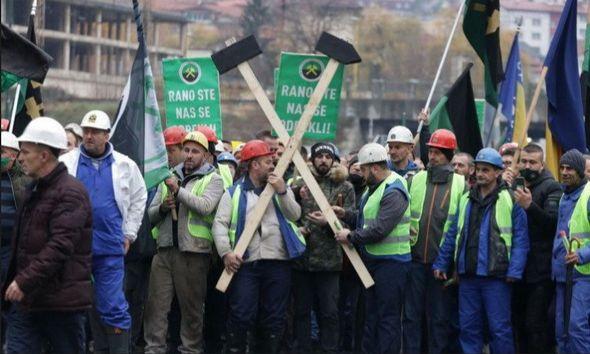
<point>197,225</point>
<point>580,226</point>
<point>503,220</point>
<point>397,242</point>
<point>225,173</point>
<point>418,194</point>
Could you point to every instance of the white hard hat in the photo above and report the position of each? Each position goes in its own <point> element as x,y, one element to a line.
<point>219,147</point>
<point>400,134</point>
<point>76,129</point>
<point>9,140</point>
<point>371,153</point>
<point>96,119</point>
<point>46,131</point>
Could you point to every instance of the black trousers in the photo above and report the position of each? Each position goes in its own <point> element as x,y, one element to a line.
<point>531,317</point>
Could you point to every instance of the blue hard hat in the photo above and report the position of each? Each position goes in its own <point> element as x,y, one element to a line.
<point>489,156</point>
<point>227,157</point>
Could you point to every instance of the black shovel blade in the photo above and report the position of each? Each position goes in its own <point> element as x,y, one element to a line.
<point>337,49</point>
<point>237,53</point>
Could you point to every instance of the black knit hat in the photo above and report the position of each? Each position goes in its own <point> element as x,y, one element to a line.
<point>575,160</point>
<point>318,148</point>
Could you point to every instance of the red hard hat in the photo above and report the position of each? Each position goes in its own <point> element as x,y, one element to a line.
<point>443,139</point>
<point>208,132</point>
<point>5,123</point>
<point>506,147</point>
<point>174,135</point>
<point>255,148</point>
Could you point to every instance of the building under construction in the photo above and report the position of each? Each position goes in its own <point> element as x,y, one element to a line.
<point>93,42</point>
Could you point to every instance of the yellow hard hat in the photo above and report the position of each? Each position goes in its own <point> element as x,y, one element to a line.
<point>198,138</point>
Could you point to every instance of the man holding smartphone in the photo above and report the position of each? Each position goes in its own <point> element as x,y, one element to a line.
<point>539,197</point>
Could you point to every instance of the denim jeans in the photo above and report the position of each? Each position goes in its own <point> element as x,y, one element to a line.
<point>27,332</point>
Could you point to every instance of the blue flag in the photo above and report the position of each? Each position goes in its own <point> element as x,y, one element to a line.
<point>565,112</point>
<point>511,98</point>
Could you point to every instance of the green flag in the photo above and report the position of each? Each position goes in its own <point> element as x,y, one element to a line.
<point>21,59</point>
<point>456,111</point>
<point>481,26</point>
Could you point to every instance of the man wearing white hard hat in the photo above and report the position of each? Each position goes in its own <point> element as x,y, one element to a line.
<point>118,195</point>
<point>48,282</point>
<point>400,141</point>
<point>383,236</point>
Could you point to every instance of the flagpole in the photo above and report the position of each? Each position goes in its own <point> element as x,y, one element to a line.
<point>14,106</point>
<point>34,8</point>
<point>439,70</point>
<point>529,116</point>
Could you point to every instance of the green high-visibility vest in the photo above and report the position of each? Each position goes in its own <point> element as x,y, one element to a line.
<point>503,221</point>
<point>397,242</point>
<point>235,201</point>
<point>225,173</point>
<point>580,226</point>
<point>197,225</point>
<point>418,195</point>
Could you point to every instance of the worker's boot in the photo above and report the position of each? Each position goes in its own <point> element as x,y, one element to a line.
<point>118,340</point>
<point>236,342</point>
<point>270,343</point>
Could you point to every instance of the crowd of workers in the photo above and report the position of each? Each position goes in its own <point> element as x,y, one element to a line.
<point>467,253</point>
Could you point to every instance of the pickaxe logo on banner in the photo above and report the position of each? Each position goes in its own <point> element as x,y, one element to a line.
<point>311,69</point>
<point>237,55</point>
<point>189,72</point>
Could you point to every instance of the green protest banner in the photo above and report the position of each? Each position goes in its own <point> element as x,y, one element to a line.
<point>298,76</point>
<point>191,91</point>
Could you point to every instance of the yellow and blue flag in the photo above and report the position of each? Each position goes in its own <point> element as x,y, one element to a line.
<point>511,104</point>
<point>565,112</point>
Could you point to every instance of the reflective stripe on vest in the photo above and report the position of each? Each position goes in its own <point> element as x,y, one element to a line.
<point>397,241</point>
<point>418,196</point>
<point>580,226</point>
<point>503,220</point>
<point>197,225</point>
<point>225,173</point>
<point>233,223</point>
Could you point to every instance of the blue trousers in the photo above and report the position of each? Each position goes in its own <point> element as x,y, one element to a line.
<point>427,298</point>
<point>109,297</point>
<point>492,297</point>
<point>28,332</point>
<point>260,288</point>
<point>579,325</point>
<point>384,306</point>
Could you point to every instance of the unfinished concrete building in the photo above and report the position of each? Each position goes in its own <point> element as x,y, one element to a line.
<point>93,42</point>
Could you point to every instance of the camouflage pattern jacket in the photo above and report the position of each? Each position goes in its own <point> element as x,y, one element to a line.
<point>323,253</point>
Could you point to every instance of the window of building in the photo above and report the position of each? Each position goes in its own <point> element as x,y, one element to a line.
<point>536,22</point>
<point>536,36</point>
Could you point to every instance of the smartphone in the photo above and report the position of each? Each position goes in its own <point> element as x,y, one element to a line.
<point>519,182</point>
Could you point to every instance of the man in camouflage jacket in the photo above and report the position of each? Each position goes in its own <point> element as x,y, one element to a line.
<point>317,273</point>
